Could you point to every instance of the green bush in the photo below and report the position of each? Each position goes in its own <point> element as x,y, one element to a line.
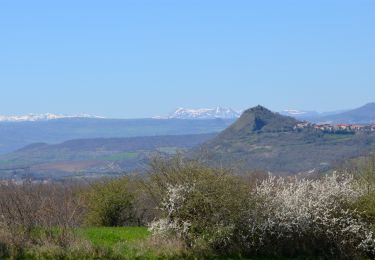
<point>200,204</point>
<point>366,206</point>
<point>215,212</point>
<point>110,203</point>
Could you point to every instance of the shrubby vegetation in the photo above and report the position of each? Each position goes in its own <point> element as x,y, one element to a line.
<point>110,203</point>
<point>307,218</point>
<point>192,211</point>
<point>366,206</point>
<point>37,215</point>
<point>199,205</point>
<point>280,217</point>
<point>364,171</point>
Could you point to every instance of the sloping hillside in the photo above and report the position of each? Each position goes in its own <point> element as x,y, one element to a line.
<point>361,115</point>
<point>85,157</point>
<point>263,140</point>
<point>15,135</point>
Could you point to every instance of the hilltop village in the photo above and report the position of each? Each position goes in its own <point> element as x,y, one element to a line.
<point>338,128</point>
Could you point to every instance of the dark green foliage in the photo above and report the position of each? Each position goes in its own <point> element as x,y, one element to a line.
<point>363,169</point>
<point>111,203</point>
<point>366,207</point>
<point>215,202</point>
<point>366,172</point>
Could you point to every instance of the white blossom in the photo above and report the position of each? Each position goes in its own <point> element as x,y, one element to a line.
<point>315,208</point>
<point>285,209</point>
<point>175,196</point>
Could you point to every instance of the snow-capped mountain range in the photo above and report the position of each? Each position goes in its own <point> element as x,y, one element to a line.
<point>229,113</point>
<point>42,117</point>
<point>300,114</point>
<point>180,113</point>
<point>203,113</point>
<point>311,115</point>
<point>225,113</point>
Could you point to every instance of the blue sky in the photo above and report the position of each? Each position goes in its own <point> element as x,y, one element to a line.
<point>143,58</point>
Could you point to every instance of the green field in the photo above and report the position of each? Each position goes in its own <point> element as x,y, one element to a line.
<point>127,243</point>
<point>134,243</point>
<point>121,156</point>
<point>112,236</point>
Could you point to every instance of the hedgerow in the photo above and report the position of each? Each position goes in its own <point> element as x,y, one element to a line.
<point>281,217</point>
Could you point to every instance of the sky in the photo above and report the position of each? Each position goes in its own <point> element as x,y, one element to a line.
<point>141,58</point>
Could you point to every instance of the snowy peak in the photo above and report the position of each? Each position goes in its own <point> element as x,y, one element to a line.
<point>294,112</point>
<point>42,117</point>
<point>204,113</point>
<point>300,114</point>
<point>311,115</point>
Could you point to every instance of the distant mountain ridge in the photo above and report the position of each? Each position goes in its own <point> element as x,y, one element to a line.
<point>15,135</point>
<point>300,114</point>
<point>203,113</point>
<point>362,115</point>
<point>43,117</point>
<point>92,157</point>
<point>312,116</point>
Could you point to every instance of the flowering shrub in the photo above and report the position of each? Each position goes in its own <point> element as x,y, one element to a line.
<point>170,225</point>
<point>199,205</point>
<point>310,217</point>
<point>281,217</point>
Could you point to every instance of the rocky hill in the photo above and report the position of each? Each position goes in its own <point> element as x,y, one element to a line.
<point>264,140</point>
